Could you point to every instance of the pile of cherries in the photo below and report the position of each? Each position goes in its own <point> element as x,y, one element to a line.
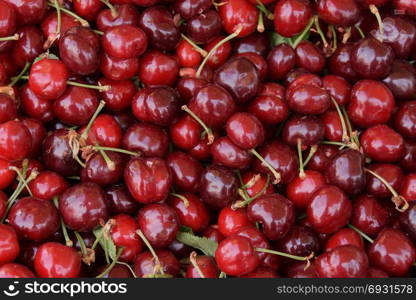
<point>207,138</point>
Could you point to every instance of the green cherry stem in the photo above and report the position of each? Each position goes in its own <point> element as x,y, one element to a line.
<point>68,241</point>
<point>114,12</point>
<point>276,174</point>
<point>14,37</point>
<point>194,45</point>
<point>263,9</point>
<point>312,151</point>
<point>208,131</point>
<point>113,263</point>
<point>100,107</point>
<point>366,237</point>
<point>183,198</point>
<point>17,78</point>
<point>295,257</point>
<point>302,35</point>
<point>320,32</point>
<point>158,266</point>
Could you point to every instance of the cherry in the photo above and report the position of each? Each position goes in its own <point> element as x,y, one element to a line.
<point>309,57</point>
<point>15,141</point>
<point>34,106</point>
<point>13,270</point>
<point>186,171</point>
<point>83,206</point>
<point>88,9</point>
<point>245,130</point>
<point>239,14</point>
<point>103,171</point>
<point>225,152</point>
<point>54,260</point>
<point>346,171</point>
<point>269,109</point>
<point>236,256</point>
<point>145,138</point>
<point>145,263</point>
<point>203,28</point>
<point>188,55</point>
<point>190,210</point>
<point>308,99</point>
<point>390,173</point>
<point>340,62</point>
<point>343,262</point>
<point>127,14</point>
<point>48,185</point>
<point>189,8</point>
<point>3,204</point>
<point>405,119</point>
<point>105,132</point>
<point>345,13</point>
<point>291,17</point>
<point>206,268</point>
<point>123,234</point>
<point>120,94</point>
<point>118,271</point>
<point>159,224</point>
<point>53,28</point>
<point>257,240</point>
<point>124,41</point>
<point>218,56</point>
<point>120,201</point>
<point>231,220</point>
<point>185,133</point>
<point>408,162</point>
<point>345,236</point>
<point>179,249</point>
<point>299,241</point>
<point>8,19</point>
<point>188,86</point>
<point>259,63</point>
<point>329,209</point>
<point>303,129</point>
<point>333,126</point>
<point>260,185</point>
<point>213,233</point>
<point>37,132</point>
<point>254,43</point>
<point>408,220</point>
<point>157,69</point>
<point>118,69</point>
<point>297,270</point>
<point>124,119</point>
<point>28,46</point>
<point>376,273</point>
<point>301,190</point>
<point>281,60</point>
<point>369,215</point>
<point>392,252</point>
<point>401,80</point>
<point>8,108</point>
<point>9,245</point>
<point>202,150</point>
<point>274,212</point>
<point>405,5</point>
<point>408,190</point>
<point>6,174</point>
<point>148,179</point>
<point>30,11</point>
<point>338,88</point>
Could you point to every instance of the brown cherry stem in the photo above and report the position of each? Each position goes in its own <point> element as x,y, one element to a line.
<point>208,131</point>
<point>376,13</point>
<point>360,31</point>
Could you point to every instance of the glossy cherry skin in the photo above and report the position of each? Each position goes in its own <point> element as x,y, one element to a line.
<point>340,62</point>
<point>333,126</point>
<point>269,109</point>
<point>13,270</point>
<point>344,13</point>
<point>245,130</point>
<point>225,152</point>
<point>148,179</point>
<point>308,99</point>
<point>37,132</point>
<point>207,266</point>
<point>123,234</point>
<point>310,57</point>
<point>291,17</point>
<point>258,186</point>
<point>83,206</point>
<point>118,69</point>
<point>3,204</point>
<point>329,209</point>
<point>6,175</point>
<point>147,139</point>
<point>408,162</point>
<point>213,233</point>
<point>84,60</point>
<point>186,171</point>
<point>408,220</point>
<point>7,19</point>
<point>393,252</point>
<point>274,212</point>
<point>231,220</point>
<point>48,185</point>
<point>158,24</point>
<point>124,41</point>
<point>255,43</point>
<point>401,80</point>
<point>185,133</point>
<point>28,46</point>
<point>213,104</point>
<point>203,28</point>
<point>297,270</point>
<point>97,170</point>
<point>371,103</point>
<point>159,224</point>
<point>76,106</point>
<point>57,153</point>
<point>343,262</point>
<point>382,143</point>
<point>144,265</point>
<point>187,55</point>
<point>30,11</point>
<point>105,131</point>
<point>300,190</point>
<point>48,77</point>
<point>239,13</point>
<point>338,88</point>
<point>54,260</point>
<point>158,69</point>
<point>281,60</point>
<point>15,141</point>
<point>127,14</point>
<point>308,129</point>
<point>189,8</point>
<point>120,94</point>
<point>49,27</point>
<point>188,86</point>
<point>408,190</point>
<point>240,77</point>
<point>346,170</point>
<point>88,9</point>
<point>391,173</point>
<point>236,256</point>
<point>281,157</point>
<point>8,108</point>
<point>405,5</point>
<point>9,244</point>
<point>193,213</point>
<point>405,119</point>
<point>257,240</point>
<point>345,236</point>
<point>300,241</point>
<point>120,201</point>
<point>34,106</point>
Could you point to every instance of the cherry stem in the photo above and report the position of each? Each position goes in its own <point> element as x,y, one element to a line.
<point>21,179</point>
<point>247,200</point>
<point>360,31</point>
<point>113,263</point>
<point>347,35</point>
<point>183,198</point>
<point>106,229</point>
<point>109,162</point>
<point>341,145</point>
<point>334,37</point>
<point>192,259</point>
<point>14,37</point>
<point>354,141</point>
<point>222,275</point>
<point>100,107</point>
<point>311,153</point>
<point>295,257</point>
<point>260,23</point>
<point>219,44</point>
<point>320,32</point>
<point>302,35</point>
<point>98,32</point>
<point>114,12</point>
<point>374,11</point>
<point>98,148</point>
<point>399,201</point>
<point>208,131</point>
<point>366,237</point>
<point>58,16</point>
<point>276,174</point>
<point>252,181</point>
<point>68,241</point>
<point>300,158</point>
<point>263,9</point>
<point>345,138</point>
<point>243,187</point>
<point>194,45</point>
<point>17,78</point>
<point>218,4</point>
<point>82,21</point>
<point>128,267</point>
<point>158,266</point>
<point>81,243</point>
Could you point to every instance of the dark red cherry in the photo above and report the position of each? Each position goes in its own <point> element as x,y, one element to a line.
<point>148,139</point>
<point>15,141</point>
<point>236,256</point>
<point>179,249</point>
<point>230,220</point>
<point>7,176</point>
<point>245,130</point>
<point>8,108</point>
<point>281,60</point>
<point>98,170</point>
<point>48,185</point>
<point>120,94</point>
<point>291,17</point>
<point>148,179</point>
<point>35,106</point>
<point>49,27</point>
<point>120,201</point>
<point>88,9</point>
<point>54,260</point>
<point>307,129</point>
<point>408,220</point>
<point>206,265</point>
<point>124,41</point>
<point>104,131</point>
<point>254,43</point>
<point>377,273</point>
<point>274,212</point>
<point>203,28</point>
<point>13,270</point>
<point>29,11</point>
<point>308,99</point>
<point>225,152</point>
<point>202,149</point>
<point>258,185</point>
<point>269,109</point>
<point>189,8</point>
<point>340,62</point>
<point>329,209</point>
<point>345,236</point>
<point>159,224</point>
<point>185,133</point>
<point>381,143</point>
<point>390,173</point>
<point>7,19</point>
<point>34,219</point>
<point>3,204</point>
<point>401,80</point>
<point>157,69</point>
<point>83,206</point>
<point>9,244</point>
<point>213,233</point>
<point>28,46</point>
<point>218,186</point>
<point>408,162</point>
<point>407,6</point>
<point>310,57</point>
<point>344,13</point>
<point>408,190</point>
<point>300,241</point>
<point>118,69</point>
<point>346,170</point>
<point>297,270</point>
<point>144,264</point>
<point>393,252</point>
<point>343,262</point>
<point>191,211</point>
<point>37,132</point>
<point>405,119</point>
<point>301,190</point>
<point>371,103</point>
<point>127,14</point>
<point>338,88</point>
<point>333,126</point>
<point>123,234</point>
<point>188,86</point>
<point>239,14</point>
<point>186,171</point>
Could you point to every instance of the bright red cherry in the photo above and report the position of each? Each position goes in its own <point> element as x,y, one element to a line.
<point>344,236</point>
<point>9,244</point>
<point>124,41</point>
<point>158,69</point>
<point>13,270</point>
<point>231,220</point>
<point>15,141</point>
<point>301,190</point>
<point>239,14</point>
<point>123,234</point>
<point>291,17</point>
<point>206,265</point>
<point>341,13</point>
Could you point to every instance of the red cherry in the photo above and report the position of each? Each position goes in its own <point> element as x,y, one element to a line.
<point>15,141</point>
<point>281,60</point>
<point>145,263</point>
<point>9,244</point>
<point>6,175</point>
<point>118,69</point>
<point>13,270</point>
<point>390,173</point>
<point>344,13</point>
<point>310,57</point>
<point>291,17</point>
<point>148,139</point>
<point>344,236</point>
<point>245,130</point>
<point>30,11</point>
<point>124,41</point>
<point>225,152</point>
<point>220,55</point>
<point>34,106</point>
<point>338,88</point>
<point>120,94</point>
<point>408,190</point>
<point>158,69</point>
<point>105,132</point>
<point>188,56</point>
<point>301,190</point>
<point>123,234</point>
<point>231,220</point>
<point>48,185</point>
<point>127,14</point>
<point>253,188</point>
<point>206,265</point>
<point>186,171</point>
<point>239,14</point>
<point>8,108</point>
<point>185,133</point>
